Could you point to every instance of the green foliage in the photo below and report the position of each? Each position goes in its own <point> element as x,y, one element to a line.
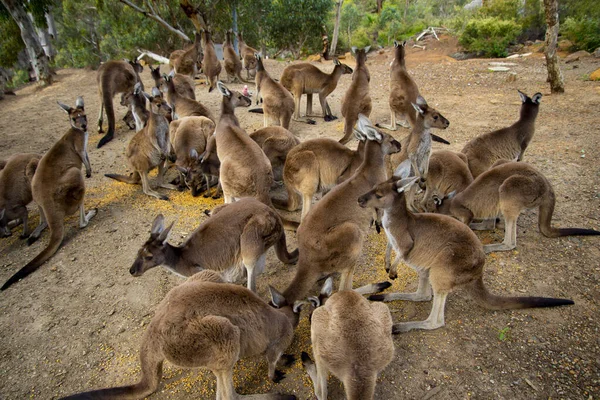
<point>489,36</point>
<point>504,333</point>
<point>10,40</point>
<point>19,78</point>
<point>583,32</point>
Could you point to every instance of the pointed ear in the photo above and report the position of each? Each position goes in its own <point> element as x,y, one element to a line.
<point>537,98</point>
<point>257,55</point>
<point>367,49</point>
<point>194,154</point>
<point>276,298</point>
<point>65,107</point>
<point>353,49</point>
<point>223,89</point>
<point>450,195</point>
<point>172,73</point>
<point>358,135</point>
<point>421,101</point>
<point>523,96</point>
<point>418,108</point>
<point>298,304</point>
<point>405,183</point>
<point>158,225</point>
<point>336,61</point>
<point>137,88</point>
<point>79,102</point>
<point>327,288</point>
<point>164,235</point>
<point>363,122</point>
<point>146,95</point>
<point>403,170</point>
<point>156,92</point>
<point>127,60</point>
<point>396,44</point>
<point>404,43</point>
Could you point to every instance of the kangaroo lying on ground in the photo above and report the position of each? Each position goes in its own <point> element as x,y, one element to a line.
<point>445,253</point>
<point>206,323</point>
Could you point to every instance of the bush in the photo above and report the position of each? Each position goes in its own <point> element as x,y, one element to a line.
<point>584,32</point>
<point>489,36</point>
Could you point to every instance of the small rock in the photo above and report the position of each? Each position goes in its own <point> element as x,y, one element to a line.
<point>512,77</point>
<point>499,69</point>
<point>597,53</point>
<point>576,56</point>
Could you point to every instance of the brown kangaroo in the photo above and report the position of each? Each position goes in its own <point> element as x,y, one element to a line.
<point>136,101</point>
<point>235,235</point>
<point>278,103</point>
<point>57,188</point>
<point>445,253</point>
<point>184,106</point>
<point>248,57</point>
<point>356,100</point>
<point>507,143</point>
<point>184,85</point>
<point>149,148</point>
<point>211,65</point>
<point>210,165</point>
<point>114,77</point>
<point>188,61</point>
<point>317,165</point>
<point>352,338</point>
<point>233,65</point>
<point>508,188</point>
<point>207,323</point>
<point>276,142</point>
<point>305,78</point>
<point>330,239</point>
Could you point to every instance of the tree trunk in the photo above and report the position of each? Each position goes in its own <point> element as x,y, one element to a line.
<point>557,84</point>
<point>39,60</point>
<point>336,28</point>
<point>379,6</point>
<point>152,15</point>
<point>405,10</point>
<point>234,25</point>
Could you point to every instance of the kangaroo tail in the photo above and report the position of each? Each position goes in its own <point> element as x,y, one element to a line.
<point>56,238</point>
<point>545,221</point>
<point>31,168</point>
<point>132,178</point>
<point>439,139</point>
<point>493,302</point>
<point>291,203</point>
<point>290,225</point>
<point>256,110</point>
<point>107,100</point>
<point>282,252</point>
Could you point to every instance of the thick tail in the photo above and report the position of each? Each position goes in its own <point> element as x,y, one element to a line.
<point>290,225</point>
<point>31,168</point>
<point>56,238</point>
<point>132,178</point>
<point>282,251</point>
<point>545,221</point>
<point>493,302</point>
<point>256,110</point>
<point>439,139</point>
<point>107,101</point>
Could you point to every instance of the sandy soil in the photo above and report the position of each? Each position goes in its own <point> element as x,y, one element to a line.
<point>76,323</point>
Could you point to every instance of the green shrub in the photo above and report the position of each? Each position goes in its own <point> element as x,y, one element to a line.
<point>489,36</point>
<point>583,32</point>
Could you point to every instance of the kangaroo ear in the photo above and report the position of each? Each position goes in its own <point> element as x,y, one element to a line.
<point>156,92</point>
<point>65,107</point>
<point>404,43</point>
<point>367,49</point>
<point>353,49</point>
<point>450,195</point>
<point>223,89</point>
<point>164,235</point>
<point>298,304</point>
<point>79,102</point>
<point>336,61</point>
<point>327,288</point>
<point>158,225</point>
<point>257,55</point>
<point>421,100</point>
<point>367,129</point>
<point>137,88</point>
<point>405,183</point>
<point>403,169</point>
<point>172,73</point>
<point>396,44</point>
<point>436,200</point>
<point>523,96</point>
<point>194,154</point>
<point>418,108</point>
<point>277,298</point>
<point>537,98</point>
<point>363,122</point>
<point>314,301</point>
<point>146,95</point>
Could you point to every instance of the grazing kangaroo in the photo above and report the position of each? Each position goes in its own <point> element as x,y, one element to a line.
<point>58,188</point>
<point>445,253</point>
<point>136,101</point>
<point>114,77</point>
<point>352,338</point>
<point>184,106</point>
<point>276,142</point>
<point>330,239</point>
<point>206,323</point>
<point>235,235</point>
<point>233,65</point>
<point>247,55</point>
<point>15,191</point>
<point>149,148</point>
<point>211,65</point>
<point>184,85</point>
<point>317,165</point>
<point>210,165</point>
<point>278,103</point>
<point>356,100</point>
<point>305,78</point>
<point>188,61</point>
<point>508,188</point>
<point>507,143</point>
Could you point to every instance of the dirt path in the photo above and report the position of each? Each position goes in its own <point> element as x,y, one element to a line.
<point>76,323</point>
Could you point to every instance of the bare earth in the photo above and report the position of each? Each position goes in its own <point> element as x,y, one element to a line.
<point>76,323</point>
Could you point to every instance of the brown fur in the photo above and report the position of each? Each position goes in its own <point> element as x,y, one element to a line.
<point>184,85</point>
<point>278,103</point>
<point>210,166</point>
<point>188,61</point>
<point>184,106</point>
<point>356,100</point>
<point>248,57</point>
<point>507,143</point>
<point>211,65</point>
<point>136,101</point>
<point>206,323</point>
<point>233,65</point>
<point>446,254</point>
<point>448,172</point>
<point>276,142</point>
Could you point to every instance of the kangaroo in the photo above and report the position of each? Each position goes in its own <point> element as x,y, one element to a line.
<point>276,142</point>
<point>58,188</point>
<point>15,191</point>
<point>350,337</point>
<point>136,101</point>
<point>207,323</point>
<point>317,165</point>
<point>210,167</point>
<point>247,55</point>
<point>445,253</point>
<point>211,64</point>
<point>184,106</point>
<point>507,143</point>
<point>188,61</point>
<point>233,65</point>
<point>184,85</point>
<point>356,100</point>
<point>114,77</point>
<point>305,78</point>
<point>508,188</point>
<point>278,103</point>
<point>235,234</point>
<point>149,148</point>
<point>331,236</point>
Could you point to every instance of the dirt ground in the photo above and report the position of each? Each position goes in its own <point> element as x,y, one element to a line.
<point>76,323</point>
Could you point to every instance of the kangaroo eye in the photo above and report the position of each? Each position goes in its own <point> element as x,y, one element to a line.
<point>435,117</point>
<point>378,196</point>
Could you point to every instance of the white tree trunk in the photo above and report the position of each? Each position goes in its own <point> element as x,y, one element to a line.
<point>555,77</point>
<point>336,28</point>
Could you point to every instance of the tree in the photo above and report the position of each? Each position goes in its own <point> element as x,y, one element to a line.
<point>37,56</point>
<point>336,29</point>
<point>557,84</point>
<point>150,13</point>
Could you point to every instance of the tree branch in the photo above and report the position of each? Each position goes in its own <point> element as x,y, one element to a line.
<point>157,18</point>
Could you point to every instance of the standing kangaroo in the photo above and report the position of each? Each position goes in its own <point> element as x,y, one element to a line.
<point>149,148</point>
<point>330,239</point>
<point>508,188</point>
<point>114,77</point>
<point>507,143</point>
<point>58,188</point>
<point>235,235</point>
<point>305,78</point>
<point>248,56</point>
<point>278,103</point>
<point>184,106</point>
<point>188,61</point>
<point>445,253</point>
<point>211,65</point>
<point>233,65</point>
<point>136,101</point>
<point>352,338</point>
<point>184,85</point>
<point>206,323</point>
<point>356,100</point>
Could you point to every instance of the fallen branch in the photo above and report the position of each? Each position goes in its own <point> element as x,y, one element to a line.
<point>152,15</point>
<point>154,56</point>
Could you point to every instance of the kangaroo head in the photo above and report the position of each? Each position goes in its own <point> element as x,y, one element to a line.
<point>152,252</point>
<point>361,55</point>
<point>431,117</point>
<point>345,69</point>
<point>535,99</point>
<point>137,67</point>
<point>291,311</point>
<point>366,131</point>
<point>77,116</point>
<point>4,229</point>
<point>193,173</point>
<point>235,98</point>
<point>155,73</point>
<point>442,203</point>
<point>383,195</point>
<point>324,294</point>
<point>158,105</point>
